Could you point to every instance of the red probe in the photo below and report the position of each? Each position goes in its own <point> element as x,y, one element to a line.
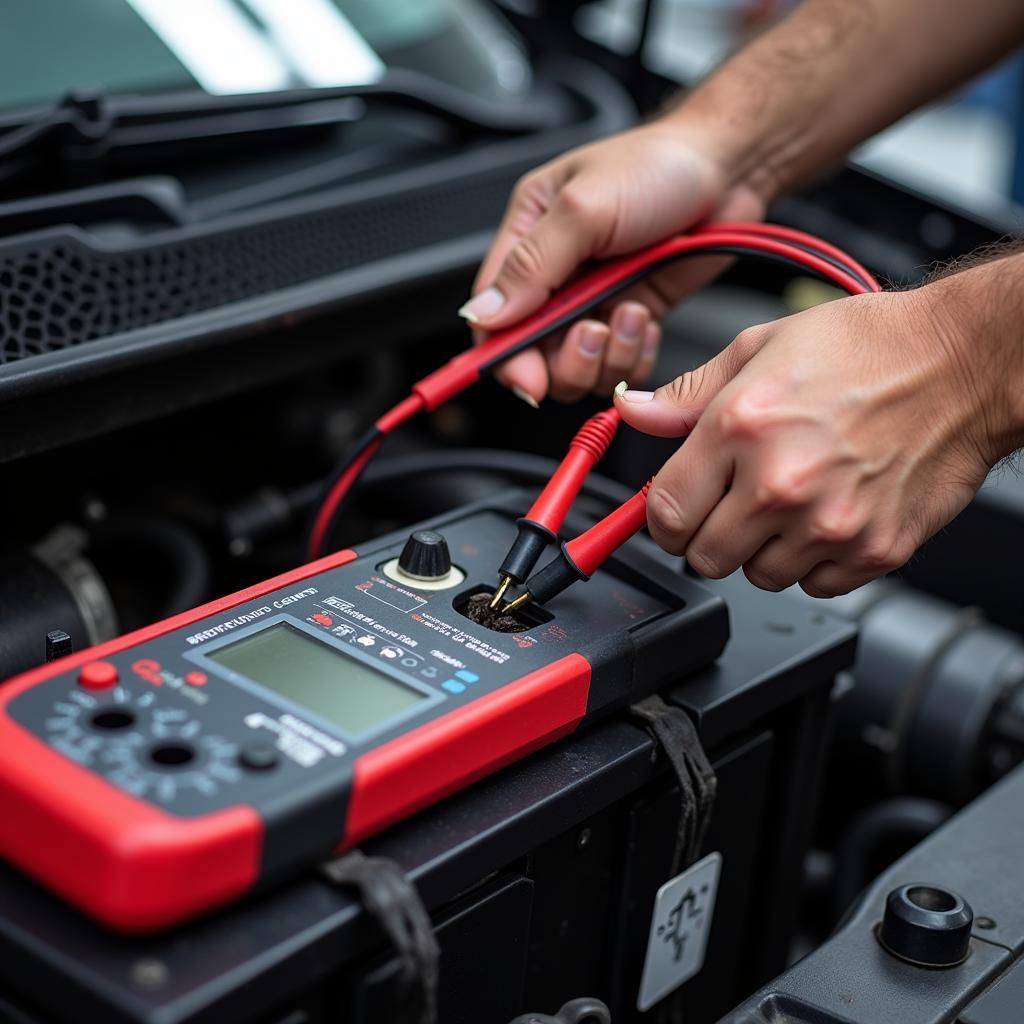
<point>582,556</point>
<point>540,526</point>
<point>766,241</point>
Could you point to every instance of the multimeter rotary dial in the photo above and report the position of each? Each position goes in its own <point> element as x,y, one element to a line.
<point>142,747</point>
<point>162,769</point>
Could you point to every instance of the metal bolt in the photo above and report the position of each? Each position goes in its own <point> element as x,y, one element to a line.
<point>984,922</point>
<point>583,839</point>
<point>149,974</point>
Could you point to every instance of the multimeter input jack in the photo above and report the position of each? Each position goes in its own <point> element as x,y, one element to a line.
<point>112,719</point>
<point>474,604</point>
<point>172,755</point>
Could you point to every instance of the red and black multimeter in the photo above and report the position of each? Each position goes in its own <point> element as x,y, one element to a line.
<point>174,769</point>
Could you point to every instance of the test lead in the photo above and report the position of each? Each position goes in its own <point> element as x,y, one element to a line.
<point>764,241</point>
<point>582,556</point>
<point>540,526</point>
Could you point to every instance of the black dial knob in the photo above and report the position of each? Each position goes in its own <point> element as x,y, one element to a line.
<point>425,556</point>
<point>927,925</point>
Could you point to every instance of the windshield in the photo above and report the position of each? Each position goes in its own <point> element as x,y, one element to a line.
<point>50,47</point>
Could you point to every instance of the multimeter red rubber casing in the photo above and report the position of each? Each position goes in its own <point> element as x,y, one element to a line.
<point>147,780</point>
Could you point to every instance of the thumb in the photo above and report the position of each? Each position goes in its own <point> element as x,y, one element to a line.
<point>673,409</point>
<point>539,262</point>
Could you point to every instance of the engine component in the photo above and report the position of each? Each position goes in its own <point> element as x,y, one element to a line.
<point>926,925</point>
<point>877,837</point>
<point>51,587</point>
<point>935,705</point>
<point>957,936</point>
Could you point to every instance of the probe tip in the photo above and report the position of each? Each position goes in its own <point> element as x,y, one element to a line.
<point>500,592</point>
<point>517,603</point>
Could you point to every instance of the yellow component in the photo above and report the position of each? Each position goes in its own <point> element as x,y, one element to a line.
<point>500,592</point>
<point>517,603</point>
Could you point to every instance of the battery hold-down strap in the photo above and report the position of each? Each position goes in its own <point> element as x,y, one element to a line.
<point>674,732</point>
<point>393,902</point>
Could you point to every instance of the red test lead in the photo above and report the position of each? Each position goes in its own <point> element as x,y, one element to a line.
<point>763,241</point>
<point>540,526</point>
<point>581,557</point>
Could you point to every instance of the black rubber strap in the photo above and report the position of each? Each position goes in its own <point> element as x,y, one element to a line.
<point>392,900</point>
<point>674,732</point>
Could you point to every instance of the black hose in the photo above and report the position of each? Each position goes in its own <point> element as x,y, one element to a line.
<point>179,555</point>
<point>878,837</point>
<point>271,511</point>
<point>516,467</point>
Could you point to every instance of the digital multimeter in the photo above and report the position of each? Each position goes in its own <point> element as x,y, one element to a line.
<point>172,770</point>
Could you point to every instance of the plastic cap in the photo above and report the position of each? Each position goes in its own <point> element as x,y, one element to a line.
<point>927,925</point>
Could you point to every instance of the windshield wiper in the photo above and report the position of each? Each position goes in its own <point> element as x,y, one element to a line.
<point>90,125</point>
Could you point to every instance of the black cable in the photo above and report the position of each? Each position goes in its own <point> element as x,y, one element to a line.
<point>370,436</point>
<point>518,467</point>
<point>269,511</point>
<point>712,250</point>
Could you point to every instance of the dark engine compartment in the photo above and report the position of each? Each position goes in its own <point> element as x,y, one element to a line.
<point>183,358</point>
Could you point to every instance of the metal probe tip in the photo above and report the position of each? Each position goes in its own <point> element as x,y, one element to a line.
<point>500,592</point>
<point>517,603</point>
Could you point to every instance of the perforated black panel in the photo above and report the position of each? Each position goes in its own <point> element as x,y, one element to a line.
<point>59,291</point>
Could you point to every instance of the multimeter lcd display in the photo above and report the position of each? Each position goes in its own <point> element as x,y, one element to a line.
<point>317,677</point>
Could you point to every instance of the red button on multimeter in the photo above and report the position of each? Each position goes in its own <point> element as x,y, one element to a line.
<point>335,673</point>
<point>97,675</point>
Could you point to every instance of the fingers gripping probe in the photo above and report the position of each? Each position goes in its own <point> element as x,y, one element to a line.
<point>582,556</point>
<point>540,526</point>
<point>764,241</point>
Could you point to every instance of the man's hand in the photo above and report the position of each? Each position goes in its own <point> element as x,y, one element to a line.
<point>603,200</point>
<point>826,447</point>
<point>783,108</point>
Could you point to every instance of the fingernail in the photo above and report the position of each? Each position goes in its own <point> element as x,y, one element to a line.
<point>526,397</point>
<point>591,342</point>
<point>487,304</point>
<point>630,323</point>
<point>620,388</point>
<point>637,396</point>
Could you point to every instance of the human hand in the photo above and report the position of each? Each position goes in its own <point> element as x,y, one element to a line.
<point>826,447</point>
<point>602,200</point>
